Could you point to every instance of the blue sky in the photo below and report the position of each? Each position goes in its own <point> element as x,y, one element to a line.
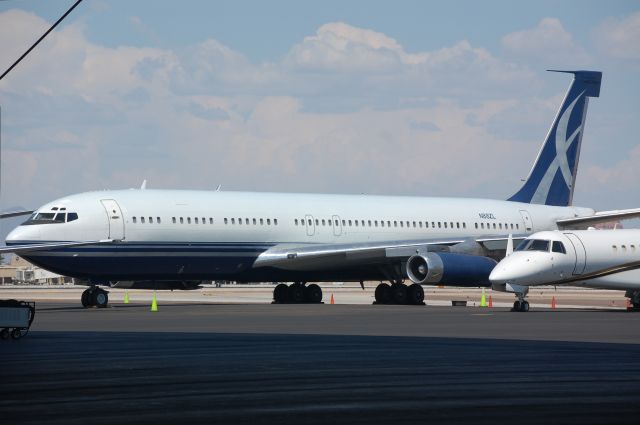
<point>406,97</point>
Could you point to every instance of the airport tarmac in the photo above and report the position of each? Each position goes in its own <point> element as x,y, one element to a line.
<point>261,363</point>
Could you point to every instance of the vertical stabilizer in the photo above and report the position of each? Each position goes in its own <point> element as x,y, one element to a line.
<point>552,178</point>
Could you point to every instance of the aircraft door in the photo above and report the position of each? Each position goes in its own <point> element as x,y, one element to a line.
<point>581,253</point>
<point>114,215</point>
<point>311,227</point>
<point>337,226</point>
<point>528,224</point>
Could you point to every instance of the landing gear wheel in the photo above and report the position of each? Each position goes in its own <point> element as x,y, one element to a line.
<point>296,293</point>
<point>383,293</point>
<point>313,294</point>
<point>516,306</point>
<point>4,333</point>
<point>16,334</point>
<point>280,293</point>
<point>399,293</point>
<point>415,294</point>
<point>100,298</point>
<point>85,299</point>
<point>524,306</point>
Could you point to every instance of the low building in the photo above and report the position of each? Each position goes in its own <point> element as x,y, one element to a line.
<point>20,270</point>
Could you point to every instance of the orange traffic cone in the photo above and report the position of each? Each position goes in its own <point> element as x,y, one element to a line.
<point>553,303</point>
<point>490,302</point>
<point>332,302</point>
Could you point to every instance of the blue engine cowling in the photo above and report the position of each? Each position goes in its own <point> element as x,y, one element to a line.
<point>449,268</point>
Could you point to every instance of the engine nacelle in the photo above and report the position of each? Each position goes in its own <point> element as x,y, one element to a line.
<point>449,268</point>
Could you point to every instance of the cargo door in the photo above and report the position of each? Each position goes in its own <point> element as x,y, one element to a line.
<point>116,222</point>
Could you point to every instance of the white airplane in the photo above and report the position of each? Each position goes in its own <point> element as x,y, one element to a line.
<point>175,239</point>
<point>603,259</point>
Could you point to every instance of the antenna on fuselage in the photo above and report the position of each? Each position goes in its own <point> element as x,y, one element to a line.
<point>218,188</point>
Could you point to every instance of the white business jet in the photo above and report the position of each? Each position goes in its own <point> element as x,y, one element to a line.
<point>178,238</point>
<point>604,259</point>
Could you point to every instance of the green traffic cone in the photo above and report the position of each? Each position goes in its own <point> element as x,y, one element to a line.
<point>126,297</point>
<point>154,303</point>
<point>483,299</point>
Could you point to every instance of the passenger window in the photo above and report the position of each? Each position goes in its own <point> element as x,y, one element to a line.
<point>196,220</point>
<point>268,222</point>
<point>262,222</point>
<point>494,225</point>
<point>255,221</point>
<point>188,220</point>
<point>317,222</point>
<point>158,220</point>
<point>464,225</point>
<point>439,226</point>
<point>445,224</point>
<point>414,224</point>
<point>381,223</point>
<point>142,220</point>
<point>402,224</point>
<point>482,225</point>
<point>134,219</point>
<point>420,223</point>
<point>624,248</point>
<point>356,221</point>
<point>558,247</point>
<point>151,220</point>
<point>323,222</point>
<point>275,221</point>
<point>226,220</point>
<point>181,220</point>
<point>388,223</point>
<point>295,221</point>
<point>500,226</point>
<point>233,220</point>
<point>457,225</point>
<point>73,216</point>
<point>375,223</point>
<point>343,222</point>
<point>369,222</point>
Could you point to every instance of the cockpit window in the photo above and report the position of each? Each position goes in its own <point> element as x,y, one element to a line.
<point>558,247</point>
<point>50,218</point>
<point>533,245</point>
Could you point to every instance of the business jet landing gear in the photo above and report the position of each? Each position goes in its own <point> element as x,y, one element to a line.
<point>399,293</point>
<point>297,293</point>
<point>521,304</point>
<point>95,297</point>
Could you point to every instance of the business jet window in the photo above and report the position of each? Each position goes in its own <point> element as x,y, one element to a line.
<point>558,247</point>
<point>533,245</point>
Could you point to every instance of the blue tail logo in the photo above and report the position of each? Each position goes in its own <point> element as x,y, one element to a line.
<point>552,178</point>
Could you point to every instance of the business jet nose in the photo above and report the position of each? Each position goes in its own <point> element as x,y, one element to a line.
<point>507,271</point>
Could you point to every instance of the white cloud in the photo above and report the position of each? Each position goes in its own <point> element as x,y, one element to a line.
<point>548,42</point>
<point>620,38</point>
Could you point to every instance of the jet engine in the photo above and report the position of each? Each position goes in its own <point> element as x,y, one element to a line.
<point>450,268</point>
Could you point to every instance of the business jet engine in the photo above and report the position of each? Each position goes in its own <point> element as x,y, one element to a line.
<point>448,268</point>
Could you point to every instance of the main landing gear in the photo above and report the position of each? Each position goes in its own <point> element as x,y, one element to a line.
<point>297,293</point>
<point>95,297</point>
<point>399,293</point>
<point>634,297</point>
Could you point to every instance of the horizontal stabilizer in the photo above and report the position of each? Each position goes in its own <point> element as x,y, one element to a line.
<point>14,214</point>
<point>597,218</point>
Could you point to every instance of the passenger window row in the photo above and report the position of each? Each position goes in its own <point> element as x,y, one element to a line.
<point>403,224</point>
<point>174,220</point>
<point>623,248</point>
<point>254,221</point>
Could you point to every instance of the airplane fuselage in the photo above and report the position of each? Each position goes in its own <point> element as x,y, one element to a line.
<point>201,235</point>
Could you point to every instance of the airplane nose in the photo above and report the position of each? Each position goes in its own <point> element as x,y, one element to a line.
<point>22,234</point>
<point>500,274</point>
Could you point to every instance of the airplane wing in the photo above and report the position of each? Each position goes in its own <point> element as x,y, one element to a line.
<point>18,249</point>
<point>335,256</point>
<point>14,214</point>
<point>597,218</point>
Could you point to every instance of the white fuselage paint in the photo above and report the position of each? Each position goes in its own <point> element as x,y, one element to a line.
<point>356,216</point>
<point>588,253</point>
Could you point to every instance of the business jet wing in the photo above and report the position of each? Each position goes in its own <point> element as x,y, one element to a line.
<point>597,218</point>
<point>14,214</point>
<point>19,249</point>
<point>335,256</point>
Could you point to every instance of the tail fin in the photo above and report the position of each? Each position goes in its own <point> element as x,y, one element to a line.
<point>551,180</point>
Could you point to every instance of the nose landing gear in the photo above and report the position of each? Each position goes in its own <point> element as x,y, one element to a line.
<point>521,305</point>
<point>95,297</point>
